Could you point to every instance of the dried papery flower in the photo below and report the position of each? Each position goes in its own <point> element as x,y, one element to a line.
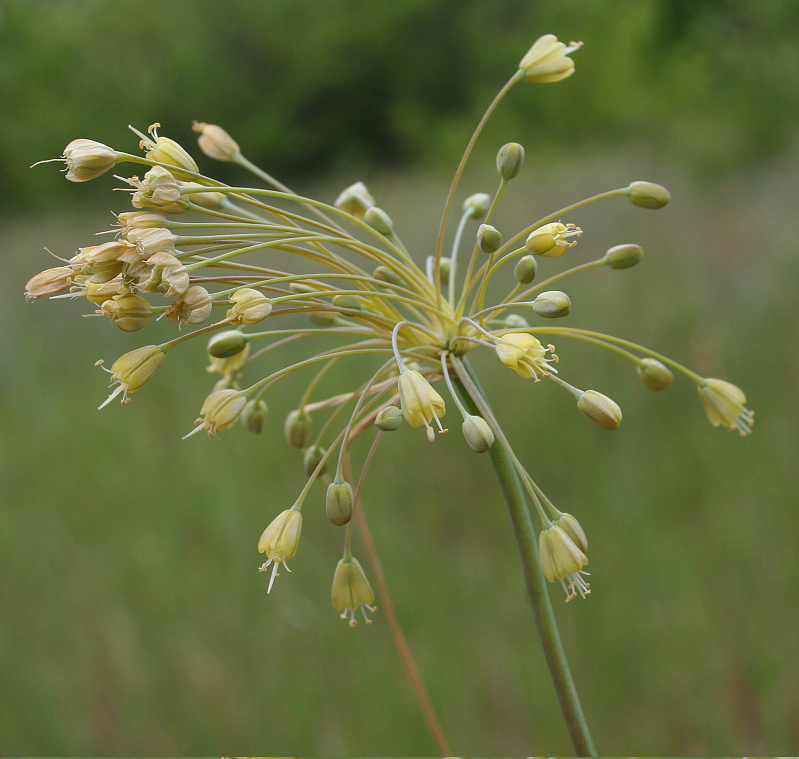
<point>87,159</point>
<point>160,191</point>
<point>215,142</point>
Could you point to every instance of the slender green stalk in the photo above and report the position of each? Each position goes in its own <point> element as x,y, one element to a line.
<point>527,540</point>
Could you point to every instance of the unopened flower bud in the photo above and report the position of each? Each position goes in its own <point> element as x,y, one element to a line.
<point>623,256</point>
<point>134,369</point>
<point>301,288</point>
<point>87,159</point>
<point>552,305</point>
<point>314,455</point>
<point>279,541</point>
<point>654,374</point>
<point>351,590</point>
<point>516,321</point>
<point>249,307</point>
<point>509,160</point>
<point>355,200</point>
<point>193,307</point>
<point>343,300</point>
<point>215,142</point>
<point>600,409</point>
<point>128,312</point>
<point>488,238</point>
<point>159,190</point>
<point>226,344</point>
<point>477,205</point>
<point>339,502</point>
<point>389,276</point>
<point>552,240</point>
<point>253,415</point>
<point>389,419</point>
<point>444,268</point>
<point>525,270</point>
<point>724,404</point>
<point>477,433</point>
<point>379,220</point>
<point>230,366</point>
<point>547,60</point>
<point>648,195</point>
<point>322,318</point>
<point>297,429</point>
<point>572,528</point>
<point>211,200</point>
<point>49,282</point>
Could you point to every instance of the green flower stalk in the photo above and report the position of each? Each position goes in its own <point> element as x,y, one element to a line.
<point>201,253</point>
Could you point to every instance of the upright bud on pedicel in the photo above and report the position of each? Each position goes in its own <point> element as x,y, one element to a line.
<point>648,195</point>
<point>444,268</point>
<point>488,238</point>
<point>215,142</point>
<point>552,240</point>
<point>600,409</point>
<point>510,160</point>
<point>477,433</point>
<point>525,270</point>
<point>355,200</point>
<point>654,374</point>
<point>623,256</point>
<point>249,306</point>
<point>379,220</point>
<point>312,458</point>
<point>552,305</point>
<point>253,415</point>
<point>547,60</point>
<point>226,344</point>
<point>477,205</point>
<point>297,429</point>
<point>87,159</point>
<point>389,276</point>
<point>389,419</point>
<point>339,502</point>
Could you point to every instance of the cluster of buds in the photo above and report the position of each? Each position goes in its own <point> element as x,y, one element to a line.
<point>403,325</point>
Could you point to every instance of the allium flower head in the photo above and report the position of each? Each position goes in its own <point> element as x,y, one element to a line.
<point>403,322</point>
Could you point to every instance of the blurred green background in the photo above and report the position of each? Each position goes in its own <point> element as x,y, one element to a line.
<point>132,617</point>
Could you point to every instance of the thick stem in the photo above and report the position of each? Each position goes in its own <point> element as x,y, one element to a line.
<point>527,540</point>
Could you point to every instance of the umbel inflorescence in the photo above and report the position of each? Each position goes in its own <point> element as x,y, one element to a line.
<point>201,254</point>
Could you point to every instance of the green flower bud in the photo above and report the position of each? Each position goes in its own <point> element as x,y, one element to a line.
<point>355,200</point>
<point>379,220</point>
<point>600,409</point>
<point>301,287</point>
<point>488,238</point>
<point>322,318</point>
<point>552,305</point>
<point>654,375</point>
<point>339,502</point>
<point>509,160</point>
<point>389,276</point>
<point>253,416</point>
<point>312,458</point>
<point>623,256</point>
<point>648,195</point>
<point>347,301</point>
<point>227,344</point>
<point>389,419</point>
<point>297,429</point>
<point>477,205</point>
<point>444,267</point>
<point>525,270</point>
<point>477,433</point>
<point>516,321</point>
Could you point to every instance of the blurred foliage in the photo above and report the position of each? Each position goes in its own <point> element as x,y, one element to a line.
<point>307,86</point>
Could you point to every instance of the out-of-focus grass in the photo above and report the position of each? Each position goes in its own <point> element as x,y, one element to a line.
<point>134,620</point>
